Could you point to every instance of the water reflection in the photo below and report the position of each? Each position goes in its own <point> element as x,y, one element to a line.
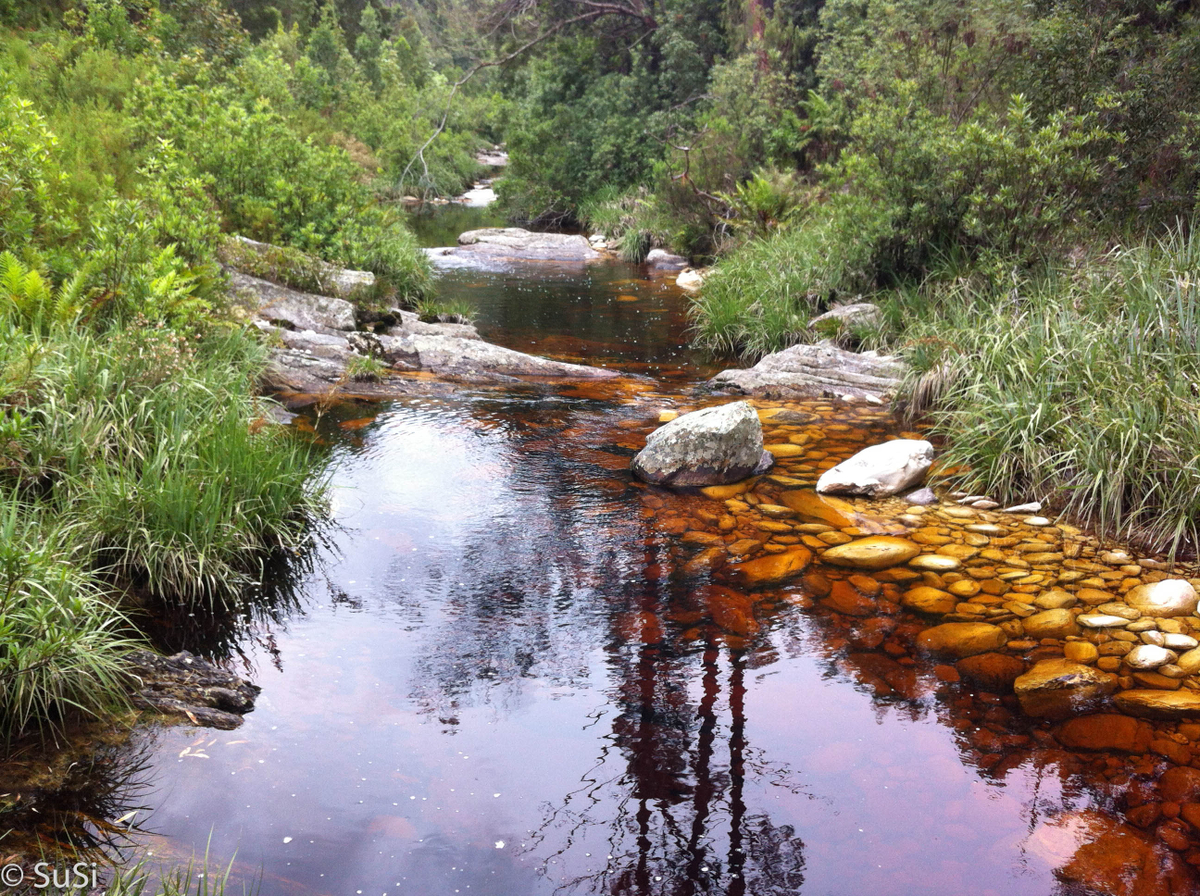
<point>506,672</point>
<point>681,825</point>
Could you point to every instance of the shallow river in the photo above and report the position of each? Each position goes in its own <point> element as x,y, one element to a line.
<point>491,677</point>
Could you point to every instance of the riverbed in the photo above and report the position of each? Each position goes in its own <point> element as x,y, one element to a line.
<point>503,669</point>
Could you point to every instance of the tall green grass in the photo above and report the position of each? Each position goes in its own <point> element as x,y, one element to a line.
<point>761,298</point>
<point>60,641</point>
<point>146,444</point>
<point>1078,387</point>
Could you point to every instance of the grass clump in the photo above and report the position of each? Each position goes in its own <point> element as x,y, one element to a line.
<point>762,297</point>
<point>365,369</point>
<point>60,641</point>
<point>1080,388</point>
<point>143,441</point>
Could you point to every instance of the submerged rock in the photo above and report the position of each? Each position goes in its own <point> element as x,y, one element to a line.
<point>875,552</point>
<point>1106,731</point>
<point>993,672</point>
<point>1115,859</point>
<point>712,446</point>
<point>962,639</point>
<point>772,569</point>
<point>192,687</point>
<point>1057,689</point>
<point>880,470</point>
<point>813,507</point>
<point>817,370</point>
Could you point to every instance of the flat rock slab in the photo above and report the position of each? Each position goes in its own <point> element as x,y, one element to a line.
<point>293,309</point>
<point>302,377</point>
<point>479,361</point>
<point>713,446</point>
<point>814,371</point>
<point>315,363</point>
<point>516,244</point>
<point>342,283</point>
<point>409,323</point>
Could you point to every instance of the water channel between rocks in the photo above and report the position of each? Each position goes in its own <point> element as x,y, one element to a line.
<point>507,669</point>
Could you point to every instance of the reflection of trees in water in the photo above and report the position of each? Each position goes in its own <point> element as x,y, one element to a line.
<point>538,580</point>
<point>221,634</point>
<point>673,814</point>
<point>550,588</point>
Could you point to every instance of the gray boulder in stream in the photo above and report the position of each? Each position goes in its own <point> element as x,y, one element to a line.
<point>815,371</point>
<point>523,245</point>
<point>713,446</point>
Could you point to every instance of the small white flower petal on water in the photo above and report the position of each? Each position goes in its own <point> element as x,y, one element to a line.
<point>499,844</point>
<point>287,839</point>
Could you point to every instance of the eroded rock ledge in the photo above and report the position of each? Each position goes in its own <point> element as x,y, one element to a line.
<point>819,370</point>
<point>190,687</point>
<point>317,345</point>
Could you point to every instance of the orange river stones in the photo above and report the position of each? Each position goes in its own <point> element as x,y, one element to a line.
<point>1059,688</point>
<point>874,552</point>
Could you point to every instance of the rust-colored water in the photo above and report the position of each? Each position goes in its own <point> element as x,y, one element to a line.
<point>510,669</point>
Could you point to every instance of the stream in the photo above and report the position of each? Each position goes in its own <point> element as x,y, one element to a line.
<point>490,677</point>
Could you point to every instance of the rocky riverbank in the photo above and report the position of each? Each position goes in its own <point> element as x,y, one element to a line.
<point>319,352</point>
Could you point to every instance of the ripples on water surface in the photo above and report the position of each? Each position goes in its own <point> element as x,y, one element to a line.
<point>472,696</point>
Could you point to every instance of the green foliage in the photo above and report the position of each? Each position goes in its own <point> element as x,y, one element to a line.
<point>31,303</point>
<point>1077,388</point>
<point>60,642</point>
<point>762,204</point>
<point>761,298</point>
<point>1009,186</point>
<point>143,442</point>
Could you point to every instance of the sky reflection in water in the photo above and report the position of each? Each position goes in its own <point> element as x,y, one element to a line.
<point>457,705</point>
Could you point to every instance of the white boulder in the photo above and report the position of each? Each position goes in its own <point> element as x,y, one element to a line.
<point>879,471</point>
